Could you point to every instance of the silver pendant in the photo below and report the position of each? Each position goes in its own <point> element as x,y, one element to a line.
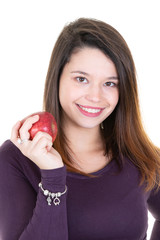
<point>49,200</point>
<point>56,201</point>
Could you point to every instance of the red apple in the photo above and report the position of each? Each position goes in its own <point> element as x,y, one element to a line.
<point>46,123</point>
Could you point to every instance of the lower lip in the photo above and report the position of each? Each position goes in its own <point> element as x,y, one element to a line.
<point>88,114</point>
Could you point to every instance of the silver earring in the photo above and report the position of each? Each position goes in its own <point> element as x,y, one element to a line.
<point>102,126</point>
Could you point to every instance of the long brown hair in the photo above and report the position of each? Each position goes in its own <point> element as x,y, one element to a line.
<point>123,132</point>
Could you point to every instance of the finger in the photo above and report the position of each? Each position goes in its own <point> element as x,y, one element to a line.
<point>15,131</point>
<point>44,144</point>
<point>23,131</point>
<point>40,135</point>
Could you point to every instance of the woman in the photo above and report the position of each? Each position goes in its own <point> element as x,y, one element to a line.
<point>102,174</point>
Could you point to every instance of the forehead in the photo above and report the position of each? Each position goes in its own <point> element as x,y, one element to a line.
<point>91,60</point>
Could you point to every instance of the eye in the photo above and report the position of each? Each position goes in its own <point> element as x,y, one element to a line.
<point>110,84</point>
<point>81,79</point>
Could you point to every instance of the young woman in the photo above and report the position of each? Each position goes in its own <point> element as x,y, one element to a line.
<point>102,174</point>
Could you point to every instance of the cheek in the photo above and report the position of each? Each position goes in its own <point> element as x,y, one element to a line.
<point>67,97</point>
<point>64,92</point>
<point>116,97</point>
<point>113,97</point>
<point>62,96</point>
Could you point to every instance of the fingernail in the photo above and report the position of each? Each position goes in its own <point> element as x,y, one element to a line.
<point>36,116</point>
<point>18,124</point>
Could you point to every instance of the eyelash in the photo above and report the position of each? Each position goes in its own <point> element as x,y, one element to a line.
<point>84,80</point>
<point>80,78</point>
<point>108,84</point>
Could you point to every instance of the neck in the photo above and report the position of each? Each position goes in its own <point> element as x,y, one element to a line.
<point>84,139</point>
<point>86,146</point>
<point>87,149</point>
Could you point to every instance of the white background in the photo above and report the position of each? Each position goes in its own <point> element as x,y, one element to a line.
<point>28,30</point>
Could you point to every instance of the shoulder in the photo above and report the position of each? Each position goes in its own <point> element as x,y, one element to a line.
<point>10,167</point>
<point>14,164</point>
<point>8,146</point>
<point>130,173</point>
<point>129,167</point>
<point>9,153</point>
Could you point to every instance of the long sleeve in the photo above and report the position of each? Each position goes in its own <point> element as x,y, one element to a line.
<point>154,208</point>
<point>24,211</point>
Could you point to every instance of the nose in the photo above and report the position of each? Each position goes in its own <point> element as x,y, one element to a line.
<point>94,94</point>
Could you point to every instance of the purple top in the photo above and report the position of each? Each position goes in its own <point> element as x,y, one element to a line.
<point>108,206</point>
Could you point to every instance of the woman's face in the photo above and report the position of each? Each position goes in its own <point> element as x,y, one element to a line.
<point>88,90</point>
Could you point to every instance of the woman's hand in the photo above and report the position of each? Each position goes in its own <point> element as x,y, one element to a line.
<point>40,149</point>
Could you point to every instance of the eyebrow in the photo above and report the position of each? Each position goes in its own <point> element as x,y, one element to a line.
<point>80,72</point>
<point>86,74</point>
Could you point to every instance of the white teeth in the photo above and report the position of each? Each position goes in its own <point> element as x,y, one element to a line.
<point>90,110</point>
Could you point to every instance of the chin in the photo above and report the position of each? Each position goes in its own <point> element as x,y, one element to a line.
<point>90,126</point>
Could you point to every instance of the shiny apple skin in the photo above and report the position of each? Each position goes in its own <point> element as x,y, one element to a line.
<point>46,123</point>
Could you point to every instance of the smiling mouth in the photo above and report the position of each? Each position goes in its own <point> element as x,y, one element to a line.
<point>90,109</point>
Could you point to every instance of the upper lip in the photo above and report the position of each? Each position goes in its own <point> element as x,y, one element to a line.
<point>101,108</point>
